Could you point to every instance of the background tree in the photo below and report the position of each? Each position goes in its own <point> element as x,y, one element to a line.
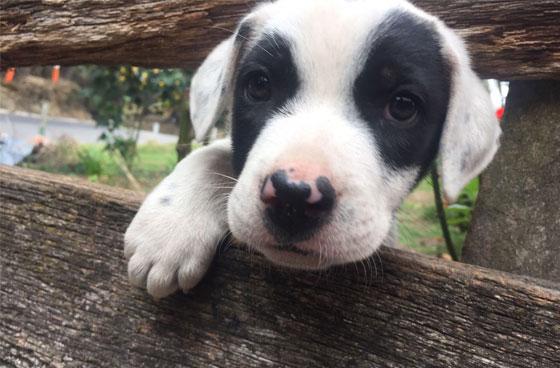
<point>125,95</point>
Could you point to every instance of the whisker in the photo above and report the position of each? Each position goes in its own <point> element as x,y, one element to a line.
<point>225,176</point>
<point>373,270</point>
<point>380,264</point>
<point>369,274</point>
<point>225,245</point>
<point>372,261</point>
<point>276,43</point>
<point>320,253</point>
<point>356,268</point>
<point>230,188</point>
<point>223,29</point>
<point>363,269</point>
<point>243,37</point>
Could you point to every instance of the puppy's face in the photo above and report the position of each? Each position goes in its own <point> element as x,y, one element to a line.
<point>337,109</point>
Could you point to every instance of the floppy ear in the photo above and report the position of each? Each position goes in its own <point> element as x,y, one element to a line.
<point>210,88</point>
<point>471,132</point>
<point>212,84</point>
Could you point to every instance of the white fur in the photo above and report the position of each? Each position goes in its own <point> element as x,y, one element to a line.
<point>360,219</point>
<point>174,235</point>
<point>209,88</point>
<point>171,246</point>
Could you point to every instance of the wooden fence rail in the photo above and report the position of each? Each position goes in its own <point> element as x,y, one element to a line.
<point>509,39</point>
<point>64,297</point>
<point>65,300</point>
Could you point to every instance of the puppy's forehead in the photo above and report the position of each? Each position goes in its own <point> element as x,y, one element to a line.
<point>329,39</point>
<point>349,56</point>
<point>329,19</point>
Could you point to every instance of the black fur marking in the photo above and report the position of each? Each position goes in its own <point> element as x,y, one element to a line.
<point>273,56</point>
<point>165,201</point>
<point>244,32</point>
<point>405,56</point>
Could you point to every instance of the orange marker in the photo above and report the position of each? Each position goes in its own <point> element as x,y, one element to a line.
<point>55,76</point>
<point>9,76</point>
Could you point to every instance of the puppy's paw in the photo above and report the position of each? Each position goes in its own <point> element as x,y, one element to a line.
<point>173,237</point>
<point>162,264</point>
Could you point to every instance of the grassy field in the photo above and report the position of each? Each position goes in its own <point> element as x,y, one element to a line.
<point>419,228</point>
<point>92,161</point>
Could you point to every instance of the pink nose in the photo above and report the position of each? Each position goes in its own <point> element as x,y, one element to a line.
<point>296,201</point>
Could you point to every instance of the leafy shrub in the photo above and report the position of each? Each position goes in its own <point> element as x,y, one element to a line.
<point>62,157</point>
<point>459,214</point>
<point>90,164</point>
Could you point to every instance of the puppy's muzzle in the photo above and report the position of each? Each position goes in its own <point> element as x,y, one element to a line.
<point>295,205</point>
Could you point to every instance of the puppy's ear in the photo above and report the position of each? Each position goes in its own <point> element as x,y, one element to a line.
<point>471,133</point>
<point>211,85</point>
<point>210,88</point>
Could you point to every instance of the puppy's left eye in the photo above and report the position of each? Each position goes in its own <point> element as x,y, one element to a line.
<point>402,108</point>
<point>258,87</point>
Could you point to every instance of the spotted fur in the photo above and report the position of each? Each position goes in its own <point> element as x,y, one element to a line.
<point>333,65</point>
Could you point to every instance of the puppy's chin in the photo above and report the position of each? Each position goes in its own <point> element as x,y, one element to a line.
<point>315,254</point>
<point>291,257</point>
<point>295,256</point>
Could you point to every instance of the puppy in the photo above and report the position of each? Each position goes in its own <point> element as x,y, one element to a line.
<point>337,109</point>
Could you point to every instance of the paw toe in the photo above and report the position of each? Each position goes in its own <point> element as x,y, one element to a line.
<point>189,275</point>
<point>138,268</point>
<point>162,280</point>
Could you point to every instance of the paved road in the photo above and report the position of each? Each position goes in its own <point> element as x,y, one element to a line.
<point>25,127</point>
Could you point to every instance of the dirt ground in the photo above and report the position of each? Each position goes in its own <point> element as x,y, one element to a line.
<point>28,92</point>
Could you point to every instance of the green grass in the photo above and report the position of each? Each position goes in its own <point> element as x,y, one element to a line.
<point>93,162</point>
<point>153,163</point>
<point>418,227</point>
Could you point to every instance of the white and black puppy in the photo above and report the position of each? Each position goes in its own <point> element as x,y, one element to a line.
<point>337,109</point>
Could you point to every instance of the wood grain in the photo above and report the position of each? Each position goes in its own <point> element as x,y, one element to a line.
<point>516,39</point>
<point>515,226</point>
<point>65,300</point>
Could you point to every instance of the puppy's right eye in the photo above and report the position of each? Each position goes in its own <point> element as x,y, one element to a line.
<point>402,109</point>
<point>258,87</point>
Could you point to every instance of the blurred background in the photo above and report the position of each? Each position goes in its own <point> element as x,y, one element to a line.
<point>128,126</point>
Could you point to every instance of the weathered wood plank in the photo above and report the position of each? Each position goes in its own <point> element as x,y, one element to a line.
<point>520,189</point>
<point>65,300</point>
<point>509,39</point>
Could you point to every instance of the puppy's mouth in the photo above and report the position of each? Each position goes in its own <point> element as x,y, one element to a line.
<point>292,255</point>
<point>292,248</point>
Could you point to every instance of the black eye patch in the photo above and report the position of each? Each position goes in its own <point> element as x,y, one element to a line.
<point>266,80</point>
<point>404,64</point>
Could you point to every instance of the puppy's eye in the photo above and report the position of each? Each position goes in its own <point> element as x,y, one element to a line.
<point>402,108</point>
<point>258,87</point>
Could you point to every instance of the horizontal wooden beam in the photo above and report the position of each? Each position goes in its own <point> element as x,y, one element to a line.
<point>65,300</point>
<point>509,39</point>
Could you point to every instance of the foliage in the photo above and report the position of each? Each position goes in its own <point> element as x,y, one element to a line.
<point>95,163</point>
<point>459,214</point>
<point>126,146</point>
<point>419,227</point>
<point>90,164</point>
<point>116,94</point>
<point>124,95</point>
<point>62,157</point>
